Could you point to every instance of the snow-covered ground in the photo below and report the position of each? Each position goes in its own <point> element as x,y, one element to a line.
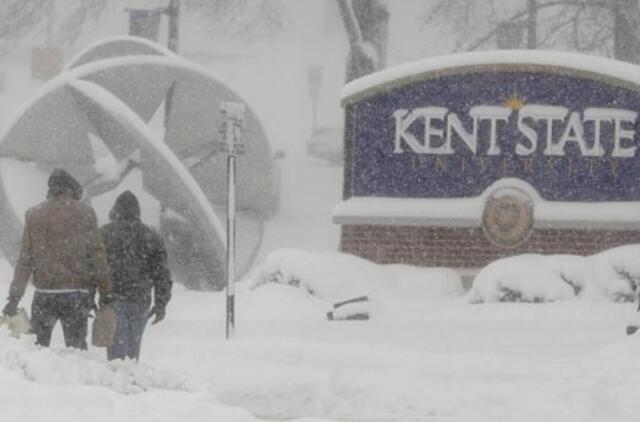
<point>437,358</point>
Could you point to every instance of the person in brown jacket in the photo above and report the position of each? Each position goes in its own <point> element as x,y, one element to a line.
<point>63,253</point>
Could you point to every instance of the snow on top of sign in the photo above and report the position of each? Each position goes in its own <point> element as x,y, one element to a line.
<point>403,209</point>
<point>581,62</point>
<point>467,212</point>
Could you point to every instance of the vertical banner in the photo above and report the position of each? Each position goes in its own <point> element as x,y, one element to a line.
<point>145,23</point>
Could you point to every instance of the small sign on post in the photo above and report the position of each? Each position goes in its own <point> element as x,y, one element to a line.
<point>231,123</point>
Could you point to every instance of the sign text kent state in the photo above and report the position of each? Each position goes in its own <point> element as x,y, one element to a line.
<point>572,138</point>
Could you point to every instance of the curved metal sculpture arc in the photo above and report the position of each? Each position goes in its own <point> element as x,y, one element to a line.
<point>193,121</point>
<point>110,117</point>
<point>118,47</point>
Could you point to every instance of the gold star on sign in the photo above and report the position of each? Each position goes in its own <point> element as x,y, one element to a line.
<point>514,102</point>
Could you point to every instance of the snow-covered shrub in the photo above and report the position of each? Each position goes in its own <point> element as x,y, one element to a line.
<point>325,275</point>
<point>524,278</point>
<point>619,272</point>
<point>338,276</point>
<point>612,274</point>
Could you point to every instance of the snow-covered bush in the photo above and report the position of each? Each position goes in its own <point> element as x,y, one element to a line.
<point>325,275</point>
<point>612,274</point>
<point>338,276</point>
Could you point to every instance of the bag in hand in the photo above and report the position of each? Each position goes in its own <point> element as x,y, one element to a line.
<point>18,324</point>
<point>104,327</point>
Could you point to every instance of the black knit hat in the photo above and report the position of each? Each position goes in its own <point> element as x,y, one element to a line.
<point>62,183</point>
<point>126,207</point>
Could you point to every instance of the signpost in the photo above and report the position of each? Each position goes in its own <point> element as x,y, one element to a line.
<point>232,118</point>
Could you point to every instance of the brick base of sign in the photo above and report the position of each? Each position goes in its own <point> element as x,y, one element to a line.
<point>468,247</point>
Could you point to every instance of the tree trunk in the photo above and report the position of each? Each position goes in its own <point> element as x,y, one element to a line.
<point>625,45</point>
<point>366,23</point>
<point>532,11</point>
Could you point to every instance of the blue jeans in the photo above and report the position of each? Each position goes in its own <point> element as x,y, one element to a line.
<point>132,319</point>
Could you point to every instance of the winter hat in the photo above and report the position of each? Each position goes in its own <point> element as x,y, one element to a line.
<point>62,183</point>
<point>126,207</point>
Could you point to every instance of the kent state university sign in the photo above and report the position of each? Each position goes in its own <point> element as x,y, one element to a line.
<point>572,134</point>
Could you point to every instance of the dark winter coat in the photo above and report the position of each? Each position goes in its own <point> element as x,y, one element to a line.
<point>136,255</point>
<point>61,244</point>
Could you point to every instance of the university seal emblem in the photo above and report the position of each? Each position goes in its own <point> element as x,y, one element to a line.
<point>507,220</point>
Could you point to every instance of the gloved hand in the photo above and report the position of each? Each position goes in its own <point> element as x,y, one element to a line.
<point>90,306</point>
<point>11,309</point>
<point>106,300</point>
<point>159,312</point>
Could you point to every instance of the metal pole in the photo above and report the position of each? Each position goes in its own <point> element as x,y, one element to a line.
<point>172,43</point>
<point>232,116</point>
<point>231,242</point>
<point>174,17</point>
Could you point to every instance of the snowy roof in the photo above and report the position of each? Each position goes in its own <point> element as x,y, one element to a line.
<point>616,72</point>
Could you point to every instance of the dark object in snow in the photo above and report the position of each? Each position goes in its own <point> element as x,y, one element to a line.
<point>356,309</point>
<point>631,329</point>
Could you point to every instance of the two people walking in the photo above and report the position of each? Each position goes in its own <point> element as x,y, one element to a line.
<point>68,258</point>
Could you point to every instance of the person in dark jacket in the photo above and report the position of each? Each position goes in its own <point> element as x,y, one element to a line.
<point>138,262</point>
<point>63,253</point>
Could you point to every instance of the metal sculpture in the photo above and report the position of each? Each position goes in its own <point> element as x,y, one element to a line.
<point>112,91</point>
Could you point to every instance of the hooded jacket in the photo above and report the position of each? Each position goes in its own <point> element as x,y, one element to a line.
<point>61,244</point>
<point>136,255</point>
